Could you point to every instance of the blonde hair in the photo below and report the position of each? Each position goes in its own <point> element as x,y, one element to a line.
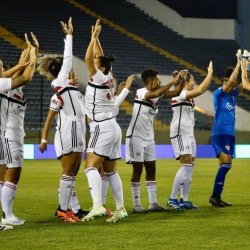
<point>49,67</point>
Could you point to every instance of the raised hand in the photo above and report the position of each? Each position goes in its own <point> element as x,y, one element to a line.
<point>67,28</point>
<point>210,67</point>
<point>129,81</point>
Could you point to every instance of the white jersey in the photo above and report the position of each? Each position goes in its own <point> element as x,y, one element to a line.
<point>16,113</point>
<point>183,115</point>
<point>5,85</point>
<point>67,92</point>
<point>99,97</point>
<point>143,116</point>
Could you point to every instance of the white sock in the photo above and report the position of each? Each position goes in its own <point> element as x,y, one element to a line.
<point>151,188</point>
<point>74,203</point>
<point>178,182</point>
<point>65,187</point>
<point>105,184</point>
<point>95,186</point>
<point>117,190</point>
<point>1,186</point>
<point>136,191</point>
<point>187,181</point>
<point>8,196</point>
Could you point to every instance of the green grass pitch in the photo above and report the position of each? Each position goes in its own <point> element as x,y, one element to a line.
<point>206,228</point>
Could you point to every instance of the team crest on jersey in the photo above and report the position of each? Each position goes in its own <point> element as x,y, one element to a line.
<point>227,147</point>
<point>229,106</point>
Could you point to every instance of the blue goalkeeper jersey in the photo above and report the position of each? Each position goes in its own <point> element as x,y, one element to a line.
<point>224,107</point>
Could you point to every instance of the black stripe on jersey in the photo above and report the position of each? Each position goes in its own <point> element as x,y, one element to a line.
<point>7,111</point>
<point>135,121</point>
<point>60,92</point>
<point>95,137</point>
<point>73,134</point>
<point>9,158</point>
<point>72,103</point>
<point>59,121</point>
<point>183,104</point>
<point>145,103</point>
<point>2,155</point>
<point>98,86</point>
<point>180,143</point>
<point>23,103</point>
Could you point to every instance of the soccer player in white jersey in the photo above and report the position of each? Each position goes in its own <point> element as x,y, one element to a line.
<point>72,131</point>
<point>140,144</point>
<point>10,82</point>
<point>183,140</point>
<point>105,133</point>
<point>57,112</point>
<point>14,138</point>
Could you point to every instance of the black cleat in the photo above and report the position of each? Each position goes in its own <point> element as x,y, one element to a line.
<point>216,202</point>
<point>81,213</point>
<point>226,204</point>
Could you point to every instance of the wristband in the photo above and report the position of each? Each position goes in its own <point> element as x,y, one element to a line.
<point>43,141</point>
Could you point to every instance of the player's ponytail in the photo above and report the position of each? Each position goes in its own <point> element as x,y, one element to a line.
<point>105,61</point>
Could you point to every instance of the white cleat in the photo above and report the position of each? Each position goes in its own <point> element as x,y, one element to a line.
<point>118,215</point>
<point>13,221</point>
<point>5,227</point>
<point>95,212</point>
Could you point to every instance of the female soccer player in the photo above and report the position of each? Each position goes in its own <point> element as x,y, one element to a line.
<point>183,140</point>
<point>70,140</point>
<point>140,144</point>
<point>105,133</point>
<point>14,138</point>
<point>223,133</point>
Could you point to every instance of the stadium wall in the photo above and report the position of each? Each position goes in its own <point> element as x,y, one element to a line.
<point>188,27</point>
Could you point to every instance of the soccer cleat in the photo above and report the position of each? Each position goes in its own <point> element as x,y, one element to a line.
<point>95,212</point>
<point>12,221</point>
<point>216,202</point>
<point>225,203</point>
<point>5,227</point>
<point>118,215</point>
<point>64,215</point>
<point>187,204</point>
<point>81,213</point>
<point>109,213</point>
<point>155,207</point>
<point>72,216</point>
<point>139,210</point>
<point>173,203</point>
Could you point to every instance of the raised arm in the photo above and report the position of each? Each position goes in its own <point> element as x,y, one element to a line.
<point>98,48</point>
<point>244,78</point>
<point>203,85</point>
<point>28,72</point>
<point>90,53</point>
<point>232,81</point>
<point>179,82</point>
<point>68,54</point>
<point>125,90</point>
<point>51,115</point>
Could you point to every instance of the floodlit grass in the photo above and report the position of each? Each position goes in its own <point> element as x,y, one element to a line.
<point>206,228</point>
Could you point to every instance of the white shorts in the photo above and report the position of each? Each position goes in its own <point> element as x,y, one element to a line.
<point>139,150</point>
<point>105,139</point>
<point>3,159</point>
<point>184,145</point>
<point>14,153</point>
<point>70,138</point>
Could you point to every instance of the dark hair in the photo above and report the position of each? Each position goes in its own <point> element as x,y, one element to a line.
<point>55,66</point>
<point>228,71</point>
<point>148,74</point>
<point>105,61</point>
